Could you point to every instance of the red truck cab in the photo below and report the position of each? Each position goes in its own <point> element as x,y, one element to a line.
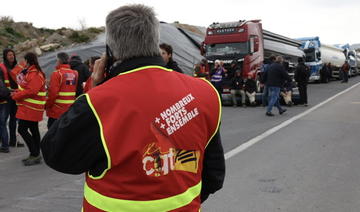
<point>241,41</point>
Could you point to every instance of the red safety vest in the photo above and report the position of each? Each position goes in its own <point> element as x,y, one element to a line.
<point>62,91</point>
<point>6,79</point>
<point>31,95</point>
<point>155,125</point>
<point>6,75</point>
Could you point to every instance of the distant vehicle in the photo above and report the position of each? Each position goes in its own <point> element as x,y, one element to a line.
<point>350,56</point>
<point>248,44</point>
<point>358,61</point>
<point>318,54</point>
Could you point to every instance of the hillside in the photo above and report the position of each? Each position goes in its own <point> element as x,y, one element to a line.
<point>23,37</point>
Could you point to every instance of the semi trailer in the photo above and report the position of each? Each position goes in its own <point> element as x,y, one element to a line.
<point>317,55</point>
<point>249,45</point>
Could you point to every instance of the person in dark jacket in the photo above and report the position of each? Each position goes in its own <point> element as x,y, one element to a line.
<point>265,67</point>
<point>237,88</point>
<point>275,78</point>
<point>83,72</point>
<point>330,70</point>
<point>74,143</point>
<point>324,74</point>
<point>250,89</point>
<point>302,74</point>
<point>167,53</point>
<point>4,113</point>
<point>9,58</point>
<point>345,68</point>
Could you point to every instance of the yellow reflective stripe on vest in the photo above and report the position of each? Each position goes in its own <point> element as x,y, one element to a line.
<point>39,94</point>
<point>67,93</point>
<point>61,101</point>
<point>220,110</point>
<point>167,204</point>
<point>38,102</point>
<point>7,81</point>
<point>145,67</point>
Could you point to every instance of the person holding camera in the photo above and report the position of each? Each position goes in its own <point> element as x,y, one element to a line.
<point>154,151</point>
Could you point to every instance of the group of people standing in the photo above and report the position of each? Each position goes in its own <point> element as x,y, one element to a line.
<point>277,82</point>
<point>27,95</point>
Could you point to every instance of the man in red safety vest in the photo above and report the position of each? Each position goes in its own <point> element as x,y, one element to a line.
<point>146,136</point>
<point>62,89</point>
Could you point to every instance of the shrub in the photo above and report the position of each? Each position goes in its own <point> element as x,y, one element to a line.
<point>11,31</point>
<point>79,37</point>
<point>6,20</point>
<point>94,30</point>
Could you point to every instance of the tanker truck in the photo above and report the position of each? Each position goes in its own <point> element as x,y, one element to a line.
<point>248,44</point>
<point>350,56</point>
<point>318,54</point>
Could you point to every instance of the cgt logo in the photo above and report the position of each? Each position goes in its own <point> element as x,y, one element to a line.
<point>157,163</point>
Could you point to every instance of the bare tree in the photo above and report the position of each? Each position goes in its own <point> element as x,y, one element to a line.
<point>82,23</point>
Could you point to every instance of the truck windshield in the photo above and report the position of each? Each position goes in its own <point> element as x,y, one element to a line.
<point>227,48</point>
<point>309,55</point>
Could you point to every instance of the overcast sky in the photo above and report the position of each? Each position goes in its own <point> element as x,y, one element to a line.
<point>335,21</point>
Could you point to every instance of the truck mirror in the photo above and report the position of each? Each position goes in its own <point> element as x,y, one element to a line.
<point>252,45</point>
<point>318,55</point>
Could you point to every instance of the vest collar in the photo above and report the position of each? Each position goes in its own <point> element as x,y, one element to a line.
<point>134,63</point>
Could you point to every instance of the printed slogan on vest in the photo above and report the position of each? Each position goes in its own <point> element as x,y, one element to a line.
<point>162,156</point>
<point>177,115</point>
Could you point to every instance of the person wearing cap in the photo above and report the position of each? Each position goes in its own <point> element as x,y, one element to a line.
<point>217,77</point>
<point>62,89</point>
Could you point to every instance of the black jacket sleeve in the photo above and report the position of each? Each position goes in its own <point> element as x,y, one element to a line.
<point>213,174</point>
<point>73,145</point>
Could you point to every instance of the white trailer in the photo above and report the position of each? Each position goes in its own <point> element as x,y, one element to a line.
<point>333,55</point>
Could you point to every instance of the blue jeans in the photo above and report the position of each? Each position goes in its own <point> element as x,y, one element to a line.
<point>265,96</point>
<point>4,115</point>
<point>274,93</point>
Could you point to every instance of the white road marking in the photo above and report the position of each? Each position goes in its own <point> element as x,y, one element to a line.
<point>260,137</point>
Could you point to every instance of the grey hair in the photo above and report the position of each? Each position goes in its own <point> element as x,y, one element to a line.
<point>63,57</point>
<point>132,31</point>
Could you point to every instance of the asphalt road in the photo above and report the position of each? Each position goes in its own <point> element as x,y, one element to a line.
<point>310,165</point>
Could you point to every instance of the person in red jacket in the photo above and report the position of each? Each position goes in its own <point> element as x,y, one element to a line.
<point>62,89</point>
<point>9,62</point>
<point>30,98</point>
<point>89,81</point>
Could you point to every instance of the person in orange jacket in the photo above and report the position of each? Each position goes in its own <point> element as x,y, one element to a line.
<point>62,89</point>
<point>30,98</point>
<point>89,82</point>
